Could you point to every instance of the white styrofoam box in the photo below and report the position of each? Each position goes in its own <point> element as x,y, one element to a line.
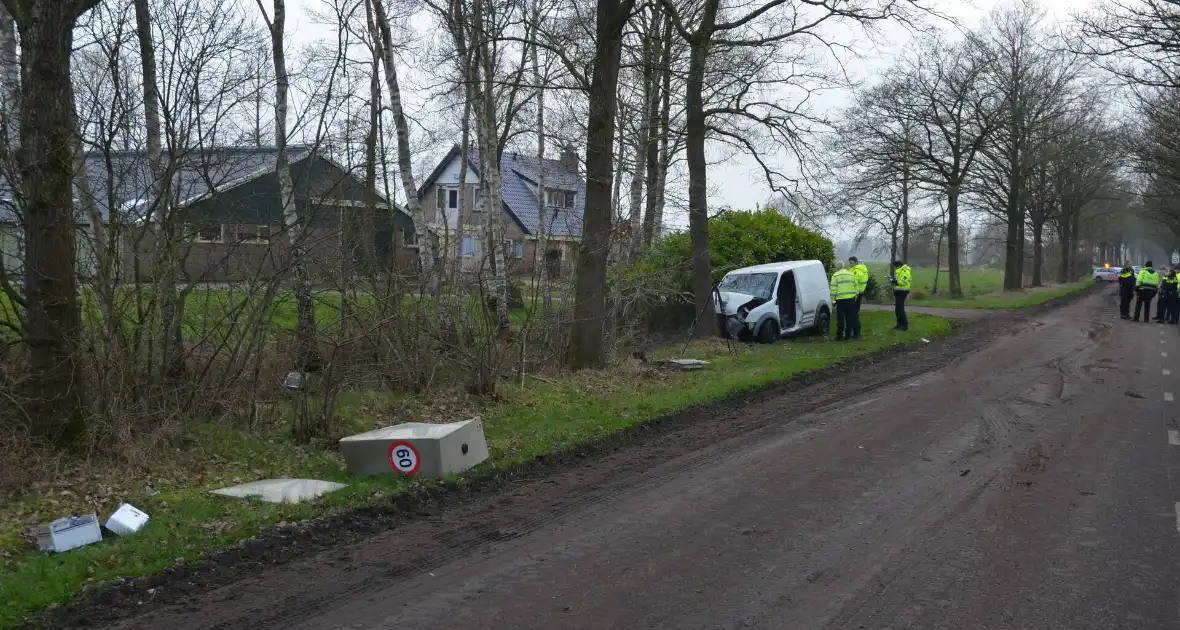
<point>69,533</point>
<point>416,448</point>
<point>280,490</point>
<point>127,520</point>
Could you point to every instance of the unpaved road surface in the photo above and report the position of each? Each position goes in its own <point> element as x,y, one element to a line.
<point>968,314</point>
<point>1016,475</point>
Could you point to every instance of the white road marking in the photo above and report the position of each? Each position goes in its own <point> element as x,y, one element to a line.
<point>1163,354</point>
<point>1167,396</point>
<point>1174,438</point>
<point>1167,372</point>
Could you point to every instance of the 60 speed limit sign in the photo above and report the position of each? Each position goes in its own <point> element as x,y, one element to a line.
<point>404,458</point>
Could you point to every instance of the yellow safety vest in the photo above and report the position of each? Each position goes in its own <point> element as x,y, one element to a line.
<point>1148,278</point>
<point>843,285</point>
<point>861,273</point>
<point>904,277</point>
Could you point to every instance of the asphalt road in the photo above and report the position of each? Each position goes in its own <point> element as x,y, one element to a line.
<point>1023,476</point>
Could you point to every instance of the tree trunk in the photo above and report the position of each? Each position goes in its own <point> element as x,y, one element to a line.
<point>651,78</point>
<point>698,211</point>
<point>489,153</point>
<point>952,241</point>
<point>9,85</point>
<point>644,140</point>
<point>56,384</point>
<point>307,355</point>
<point>586,344</point>
<point>402,128</point>
<point>541,248</point>
<point>1038,253</point>
<point>657,221</point>
<point>165,263</point>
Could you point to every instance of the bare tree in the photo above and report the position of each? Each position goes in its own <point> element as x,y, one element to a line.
<point>405,165</point>
<point>307,355</point>
<point>955,112</point>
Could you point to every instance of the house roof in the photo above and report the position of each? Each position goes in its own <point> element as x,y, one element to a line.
<point>518,177</point>
<point>196,174</point>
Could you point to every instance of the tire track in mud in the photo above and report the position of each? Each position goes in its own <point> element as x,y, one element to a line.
<point>478,521</point>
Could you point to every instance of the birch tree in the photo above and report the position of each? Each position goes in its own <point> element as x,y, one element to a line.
<point>402,128</point>
<point>307,355</point>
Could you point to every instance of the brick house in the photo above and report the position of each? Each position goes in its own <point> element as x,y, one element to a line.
<point>460,232</point>
<point>227,215</point>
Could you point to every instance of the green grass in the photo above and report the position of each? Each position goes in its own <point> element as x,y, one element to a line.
<point>982,289</point>
<point>1011,299</point>
<point>528,420</point>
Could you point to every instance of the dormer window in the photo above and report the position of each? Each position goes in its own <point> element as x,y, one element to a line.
<point>559,198</point>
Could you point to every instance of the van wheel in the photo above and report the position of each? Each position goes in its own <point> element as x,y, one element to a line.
<point>768,332</point>
<point>823,323</point>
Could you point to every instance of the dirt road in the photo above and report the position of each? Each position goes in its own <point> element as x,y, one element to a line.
<point>1017,475</point>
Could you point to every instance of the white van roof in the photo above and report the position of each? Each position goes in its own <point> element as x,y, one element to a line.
<point>778,267</point>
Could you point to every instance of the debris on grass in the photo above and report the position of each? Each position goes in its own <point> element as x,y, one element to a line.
<point>69,533</point>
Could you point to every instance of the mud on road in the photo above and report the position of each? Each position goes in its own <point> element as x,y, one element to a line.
<point>292,575</point>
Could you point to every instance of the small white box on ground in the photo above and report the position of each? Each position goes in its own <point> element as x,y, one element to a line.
<point>127,520</point>
<point>416,448</point>
<point>69,533</point>
<point>280,490</point>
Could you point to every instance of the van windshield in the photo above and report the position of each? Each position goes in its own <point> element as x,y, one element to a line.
<point>760,285</point>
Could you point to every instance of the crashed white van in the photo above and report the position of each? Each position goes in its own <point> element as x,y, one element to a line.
<point>769,302</point>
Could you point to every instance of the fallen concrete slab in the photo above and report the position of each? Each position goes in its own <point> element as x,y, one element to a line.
<point>280,490</point>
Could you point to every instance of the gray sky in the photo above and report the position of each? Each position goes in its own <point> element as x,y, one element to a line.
<point>739,183</point>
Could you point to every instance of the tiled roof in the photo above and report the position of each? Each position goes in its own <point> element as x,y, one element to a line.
<point>518,173</point>
<point>195,173</point>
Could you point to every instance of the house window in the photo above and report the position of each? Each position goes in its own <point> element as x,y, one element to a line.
<point>409,237</point>
<point>467,246</point>
<point>209,234</point>
<point>259,234</point>
<point>559,198</point>
<point>452,199</point>
<point>518,249</point>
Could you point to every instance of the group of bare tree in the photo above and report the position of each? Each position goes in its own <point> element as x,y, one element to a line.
<point>1009,125</point>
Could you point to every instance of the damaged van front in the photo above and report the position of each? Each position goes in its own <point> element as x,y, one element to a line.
<point>744,301</point>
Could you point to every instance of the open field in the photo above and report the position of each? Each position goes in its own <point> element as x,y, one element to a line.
<point>982,288</point>
<point>170,481</point>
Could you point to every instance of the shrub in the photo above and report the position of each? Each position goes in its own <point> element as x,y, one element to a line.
<point>873,289</point>
<point>738,239</point>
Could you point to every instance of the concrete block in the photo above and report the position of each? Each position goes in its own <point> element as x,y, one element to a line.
<point>69,533</point>
<point>416,448</point>
<point>280,490</point>
<point>127,520</point>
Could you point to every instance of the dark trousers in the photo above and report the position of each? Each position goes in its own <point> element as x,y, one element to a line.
<point>899,297</point>
<point>845,312</point>
<point>856,316</point>
<point>1125,298</point>
<point>1161,308</point>
<point>1143,301</point>
<point>1171,308</point>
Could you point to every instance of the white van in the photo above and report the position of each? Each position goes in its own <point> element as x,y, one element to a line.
<point>769,302</point>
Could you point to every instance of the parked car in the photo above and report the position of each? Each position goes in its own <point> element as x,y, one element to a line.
<point>773,301</point>
<point>1106,274</point>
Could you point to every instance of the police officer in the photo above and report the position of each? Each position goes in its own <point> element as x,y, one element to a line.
<point>1126,291</point>
<point>901,279</point>
<point>1169,295</point>
<point>861,273</point>
<point>843,287</point>
<point>1146,286</point>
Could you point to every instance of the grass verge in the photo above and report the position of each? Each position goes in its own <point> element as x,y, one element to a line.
<point>1012,299</point>
<point>533,419</point>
